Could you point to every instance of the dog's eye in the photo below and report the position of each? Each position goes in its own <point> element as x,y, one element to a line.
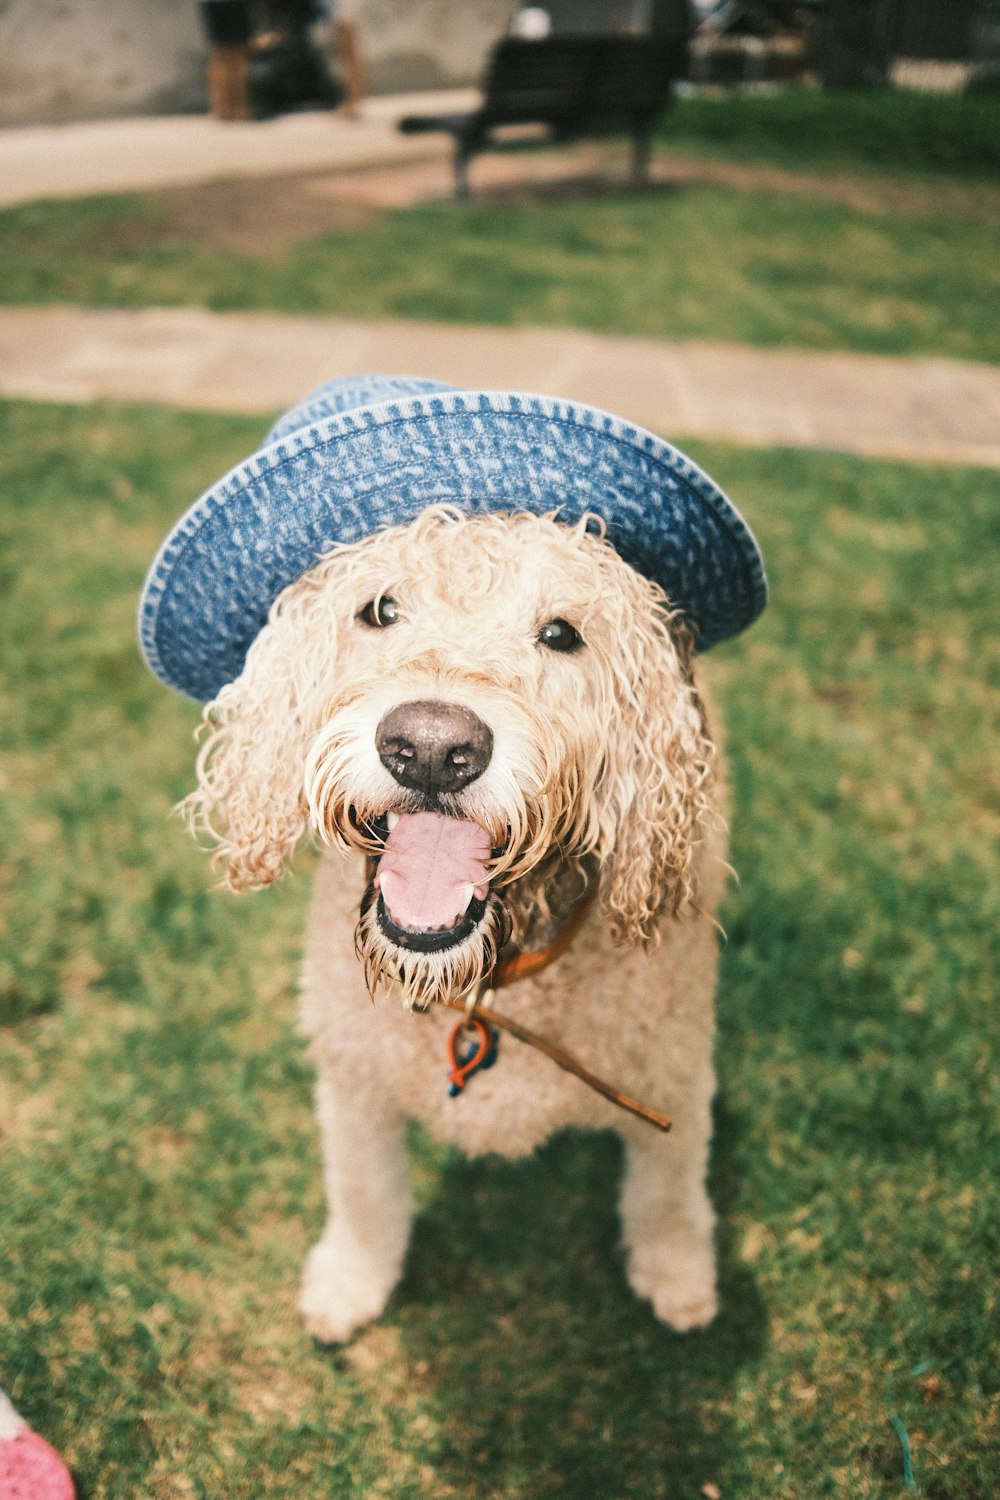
<point>380,612</point>
<point>560,635</point>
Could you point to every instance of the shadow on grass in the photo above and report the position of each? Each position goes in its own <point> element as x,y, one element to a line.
<point>581,186</point>
<point>549,1377</point>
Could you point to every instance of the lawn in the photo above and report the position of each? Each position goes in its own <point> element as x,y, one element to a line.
<point>871,262</point>
<point>157,1150</point>
<point>902,130</point>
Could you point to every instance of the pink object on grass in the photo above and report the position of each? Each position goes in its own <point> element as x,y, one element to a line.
<point>31,1470</point>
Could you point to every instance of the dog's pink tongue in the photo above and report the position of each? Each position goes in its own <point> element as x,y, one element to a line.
<point>431,869</point>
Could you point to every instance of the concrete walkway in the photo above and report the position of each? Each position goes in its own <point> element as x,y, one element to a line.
<point>120,156</point>
<point>925,410</point>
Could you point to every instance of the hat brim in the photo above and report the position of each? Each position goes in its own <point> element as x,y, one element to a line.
<point>337,480</point>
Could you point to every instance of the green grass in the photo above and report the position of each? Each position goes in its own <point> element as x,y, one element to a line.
<point>882,129</point>
<point>157,1149</point>
<point>704,260</point>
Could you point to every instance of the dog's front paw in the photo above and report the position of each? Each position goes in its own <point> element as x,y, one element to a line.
<point>342,1289</point>
<point>680,1288</point>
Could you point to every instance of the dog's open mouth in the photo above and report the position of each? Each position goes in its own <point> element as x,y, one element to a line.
<point>432,881</point>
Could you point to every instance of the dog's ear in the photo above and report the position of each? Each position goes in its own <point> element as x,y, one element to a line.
<point>660,777</point>
<point>250,802</point>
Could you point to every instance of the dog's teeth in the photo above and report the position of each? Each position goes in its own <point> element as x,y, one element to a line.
<point>465,894</point>
<point>445,926</point>
<point>441,926</point>
<point>391,819</point>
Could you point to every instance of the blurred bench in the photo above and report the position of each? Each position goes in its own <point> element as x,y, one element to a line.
<point>575,85</point>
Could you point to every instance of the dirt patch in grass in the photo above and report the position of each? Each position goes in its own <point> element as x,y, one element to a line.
<point>263,217</point>
<point>258,217</point>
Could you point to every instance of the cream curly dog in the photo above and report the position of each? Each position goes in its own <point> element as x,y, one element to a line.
<point>492,706</point>
<point>450,634</point>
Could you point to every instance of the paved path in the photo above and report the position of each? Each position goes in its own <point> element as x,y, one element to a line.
<point>117,156</point>
<point>932,410</point>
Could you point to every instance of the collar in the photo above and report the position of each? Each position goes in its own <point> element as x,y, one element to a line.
<point>513,965</point>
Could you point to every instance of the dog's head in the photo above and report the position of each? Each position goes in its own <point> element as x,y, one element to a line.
<point>468,701</point>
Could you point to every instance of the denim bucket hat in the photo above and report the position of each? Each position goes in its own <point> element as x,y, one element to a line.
<point>366,452</point>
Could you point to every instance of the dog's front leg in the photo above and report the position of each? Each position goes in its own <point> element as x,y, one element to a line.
<point>668,1222</point>
<point>352,1269</point>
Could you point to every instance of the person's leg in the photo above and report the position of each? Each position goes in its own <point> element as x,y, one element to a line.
<point>228,80</point>
<point>228,26</point>
<point>352,62</point>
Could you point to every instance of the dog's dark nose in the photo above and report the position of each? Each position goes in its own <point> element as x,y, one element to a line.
<point>433,747</point>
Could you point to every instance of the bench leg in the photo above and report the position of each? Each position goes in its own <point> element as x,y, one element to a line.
<point>642,150</point>
<point>463,155</point>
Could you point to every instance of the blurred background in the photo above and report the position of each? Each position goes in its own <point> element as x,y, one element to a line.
<point>95,58</point>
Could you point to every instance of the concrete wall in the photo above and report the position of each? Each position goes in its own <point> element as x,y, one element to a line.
<point>426,44</point>
<point>80,59</point>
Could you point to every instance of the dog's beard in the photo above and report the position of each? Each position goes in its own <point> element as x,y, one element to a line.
<point>427,974</point>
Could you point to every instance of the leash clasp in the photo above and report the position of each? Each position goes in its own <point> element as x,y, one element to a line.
<point>472,1045</point>
<point>480,991</point>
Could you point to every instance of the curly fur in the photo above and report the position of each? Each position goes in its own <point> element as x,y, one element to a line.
<point>281,750</point>
<point>602,758</point>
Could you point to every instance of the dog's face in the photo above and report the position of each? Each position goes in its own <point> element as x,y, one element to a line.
<point>469,701</point>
